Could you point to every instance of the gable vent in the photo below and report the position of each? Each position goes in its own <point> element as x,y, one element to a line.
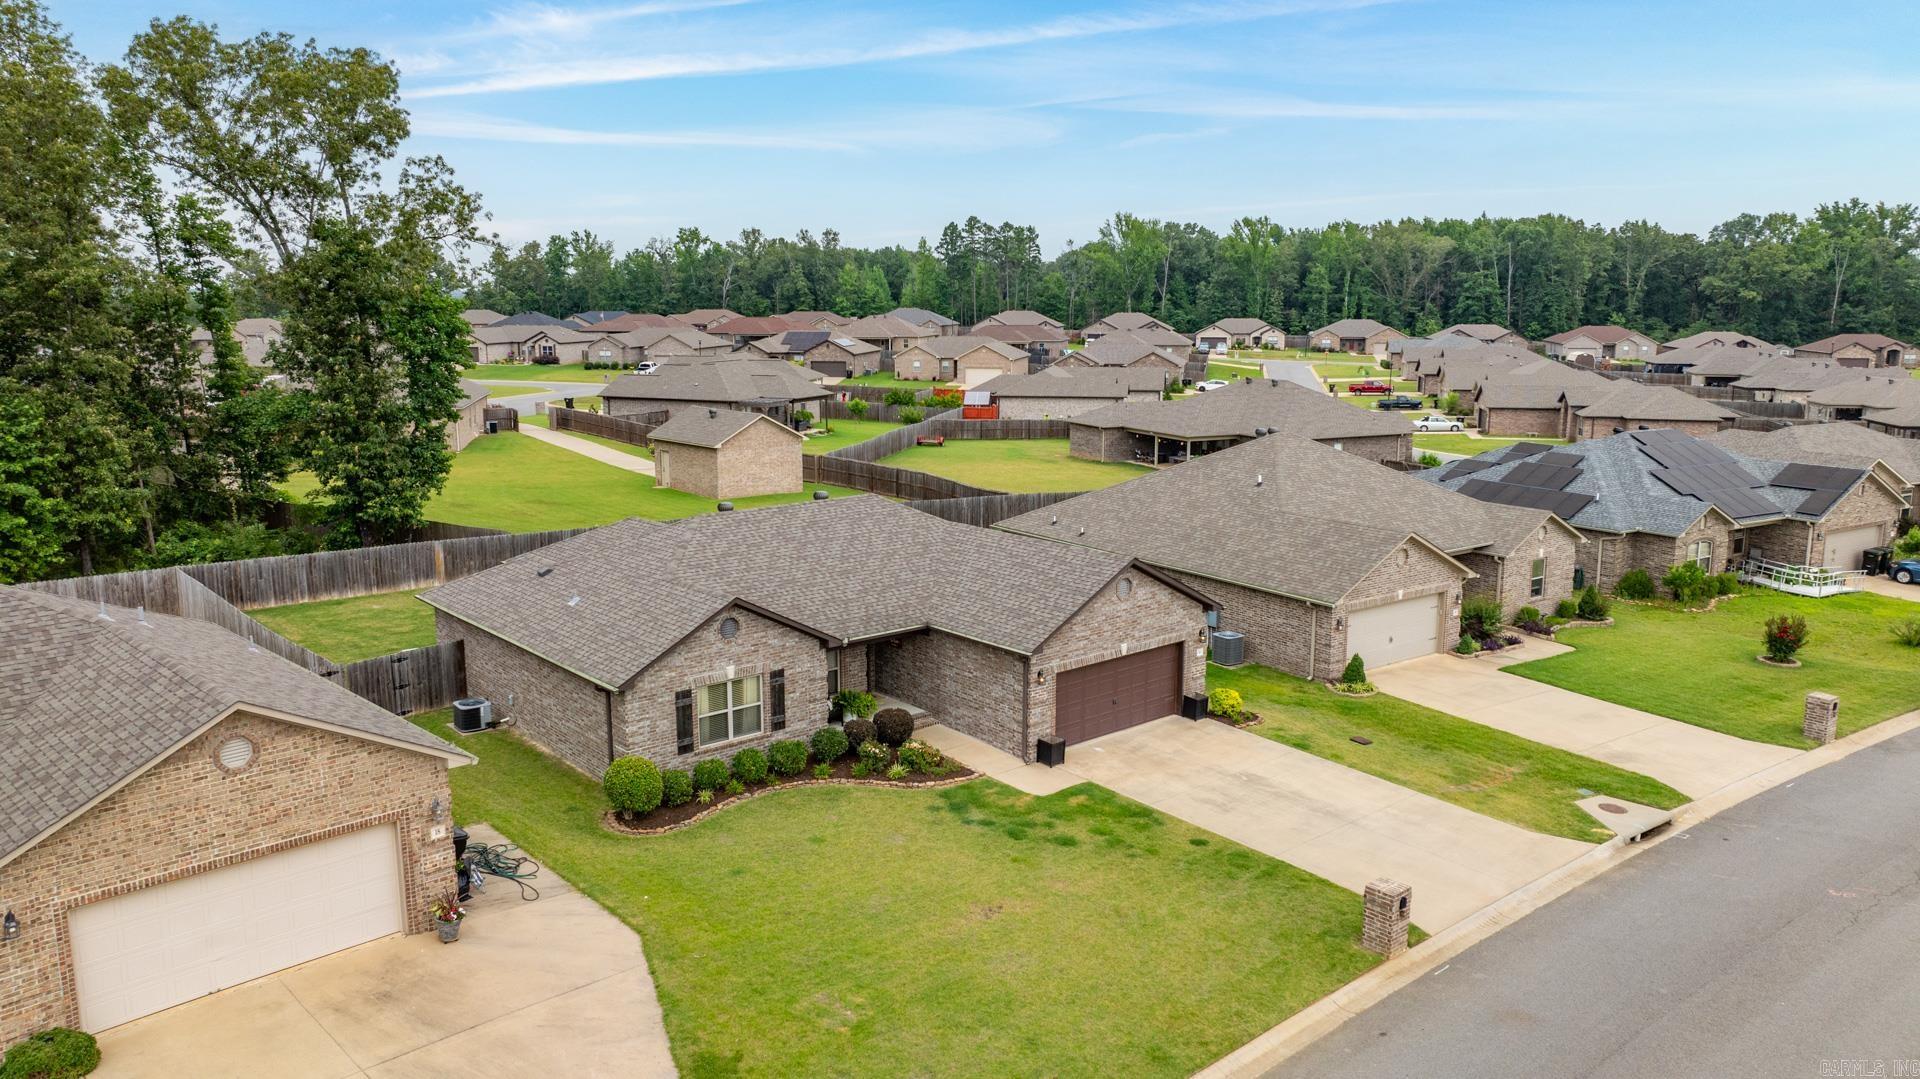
<point>235,754</point>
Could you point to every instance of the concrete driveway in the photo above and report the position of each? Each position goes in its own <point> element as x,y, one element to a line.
<point>1326,818</point>
<point>521,396</point>
<point>1299,372</point>
<point>1692,760</point>
<point>1890,588</point>
<point>556,986</point>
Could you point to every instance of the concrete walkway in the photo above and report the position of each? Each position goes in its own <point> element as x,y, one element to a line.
<point>606,455</point>
<point>552,987</point>
<point>1326,818</point>
<point>1690,759</point>
<point>527,394</point>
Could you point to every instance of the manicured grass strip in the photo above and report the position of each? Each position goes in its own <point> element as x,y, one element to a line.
<point>846,433</point>
<point>537,372</point>
<point>1233,371</point>
<point>882,378</point>
<point>359,627</point>
<point>1698,666</point>
<point>1462,443</point>
<point>1017,465</point>
<point>1480,768</point>
<point>512,482</point>
<point>966,931</point>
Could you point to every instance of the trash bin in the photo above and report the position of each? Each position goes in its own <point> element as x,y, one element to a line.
<point>1876,560</point>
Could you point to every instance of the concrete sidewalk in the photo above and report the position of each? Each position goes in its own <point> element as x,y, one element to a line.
<point>556,986</point>
<point>1690,759</point>
<point>605,455</point>
<point>1326,818</point>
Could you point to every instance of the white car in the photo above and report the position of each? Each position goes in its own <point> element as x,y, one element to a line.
<point>1211,384</point>
<point>645,367</point>
<point>1436,423</point>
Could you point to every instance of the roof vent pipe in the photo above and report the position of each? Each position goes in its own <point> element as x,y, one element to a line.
<point>103,615</point>
<point>713,414</point>
<point>1259,480</point>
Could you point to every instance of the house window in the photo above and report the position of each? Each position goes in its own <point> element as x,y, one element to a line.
<point>1537,580</point>
<point>1739,544</point>
<point>546,350</point>
<point>729,710</point>
<point>833,672</point>
<point>1700,553</point>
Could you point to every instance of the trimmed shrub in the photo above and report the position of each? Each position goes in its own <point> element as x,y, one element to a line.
<point>1593,606</point>
<point>1429,460</point>
<point>632,785</point>
<point>1726,584</point>
<point>899,397</point>
<point>1634,584</point>
<point>802,419</point>
<point>1355,673</point>
<point>1467,646</point>
<point>857,406</point>
<point>897,771</point>
<point>875,756</point>
<point>734,786</point>
<point>1908,632</point>
<point>1567,608</point>
<point>859,732</point>
<point>750,766</point>
<point>912,414</point>
<point>710,775</point>
<point>676,787</point>
<point>923,758</point>
<point>1479,618</point>
<point>1908,546</point>
<point>1226,703</point>
<point>1785,635</point>
<point>787,757</point>
<point>893,726</point>
<point>1688,583</point>
<point>829,744</point>
<point>60,1053</point>
<point>1527,614</point>
<point>823,771</point>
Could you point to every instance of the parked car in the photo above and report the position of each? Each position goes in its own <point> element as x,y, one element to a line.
<point>1436,423</point>
<point>1905,570</point>
<point>1211,384</point>
<point>1398,403</point>
<point>645,367</point>
<point>1372,385</point>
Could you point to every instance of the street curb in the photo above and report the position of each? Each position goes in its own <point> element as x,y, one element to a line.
<point>1321,1018</point>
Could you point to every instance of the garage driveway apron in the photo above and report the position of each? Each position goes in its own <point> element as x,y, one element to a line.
<point>1326,818</point>
<point>553,987</point>
<point>1692,760</point>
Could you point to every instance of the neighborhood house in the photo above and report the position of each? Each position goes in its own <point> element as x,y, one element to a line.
<point>1168,432</point>
<point>720,453</point>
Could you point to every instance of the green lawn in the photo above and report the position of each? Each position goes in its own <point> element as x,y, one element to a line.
<point>1234,371</point>
<point>511,482</point>
<point>1480,768</point>
<point>1349,369</point>
<point>1699,667</point>
<point>543,420</point>
<point>966,931</point>
<point>1017,465</point>
<point>883,378</point>
<point>360,627</point>
<point>846,433</point>
<point>1465,444</point>
<point>538,372</point>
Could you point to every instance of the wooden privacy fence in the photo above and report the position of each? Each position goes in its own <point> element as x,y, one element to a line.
<point>883,479</point>
<point>1005,429</point>
<point>984,510</point>
<point>504,418</point>
<point>837,410</point>
<point>633,430</point>
<point>414,680</point>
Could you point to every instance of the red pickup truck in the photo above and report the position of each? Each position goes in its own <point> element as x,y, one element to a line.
<point>1369,386</point>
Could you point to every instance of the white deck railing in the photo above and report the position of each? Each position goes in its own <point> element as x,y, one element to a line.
<point>1800,580</point>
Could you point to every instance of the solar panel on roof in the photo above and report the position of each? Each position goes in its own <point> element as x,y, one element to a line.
<point>1535,474</point>
<point>1740,504</point>
<point>1466,468</point>
<point>1816,477</point>
<point>1562,504</point>
<point>1819,501</point>
<point>1523,449</point>
<point>1561,459</point>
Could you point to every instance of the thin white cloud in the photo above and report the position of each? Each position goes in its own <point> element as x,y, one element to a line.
<point>548,20</point>
<point>456,125</point>
<point>939,42</point>
<point>1226,106</point>
<point>954,129</point>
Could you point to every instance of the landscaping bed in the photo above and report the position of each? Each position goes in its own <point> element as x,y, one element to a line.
<point>1698,666</point>
<point>1489,771</point>
<point>1015,465</point>
<point>853,930</point>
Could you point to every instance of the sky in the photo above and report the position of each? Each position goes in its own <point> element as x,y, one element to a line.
<point>885,120</point>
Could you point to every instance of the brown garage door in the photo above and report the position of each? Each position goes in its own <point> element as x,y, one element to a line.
<point>830,368</point>
<point>1106,697</point>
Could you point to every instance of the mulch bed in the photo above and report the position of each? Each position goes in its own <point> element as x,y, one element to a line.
<point>670,818</point>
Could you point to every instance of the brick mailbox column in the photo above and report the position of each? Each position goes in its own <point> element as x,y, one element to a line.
<point>1822,717</point>
<point>1386,912</point>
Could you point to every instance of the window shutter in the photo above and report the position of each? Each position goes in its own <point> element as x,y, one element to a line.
<point>777,689</point>
<point>683,719</point>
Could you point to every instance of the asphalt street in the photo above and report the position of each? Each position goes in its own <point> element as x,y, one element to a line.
<point>1779,938</point>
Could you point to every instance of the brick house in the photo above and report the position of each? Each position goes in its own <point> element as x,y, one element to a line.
<point>1169,431</point>
<point>692,639</point>
<point>720,453</point>
<point>931,320</point>
<point>1484,332</point>
<point>167,782</point>
<point>1850,394</point>
<point>1020,317</point>
<point>1044,343</point>
<point>1123,349</point>
<point>1062,392</point>
<point>891,335</point>
<point>1359,336</point>
<point>1631,406</point>
<point>1718,339</point>
<point>1454,365</point>
<point>1532,399</point>
<point>773,387</point>
<point>1239,333</point>
<point>1845,445</point>
<point>1316,555</point>
<point>1653,499</point>
<point>823,351</point>
<point>470,414</point>
<point>705,318</point>
<point>1859,350</point>
<point>1124,322</point>
<point>966,359</point>
<point>1588,345</point>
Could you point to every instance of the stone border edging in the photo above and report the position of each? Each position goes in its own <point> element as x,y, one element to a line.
<point>610,823</point>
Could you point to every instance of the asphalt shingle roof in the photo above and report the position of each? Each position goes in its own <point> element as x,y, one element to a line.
<point>1114,383</point>
<point>710,426</point>
<point>86,702</point>
<point>920,316</point>
<point>1351,327</point>
<point>1235,411</point>
<point>954,347</point>
<point>1848,445</point>
<point>641,586</point>
<point>1653,404</point>
<point>734,381</point>
<point>1708,338</point>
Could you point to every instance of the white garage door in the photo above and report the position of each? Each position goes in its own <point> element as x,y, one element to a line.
<point>157,947</point>
<point>1395,631</point>
<point>974,376</point>
<point>1843,548</point>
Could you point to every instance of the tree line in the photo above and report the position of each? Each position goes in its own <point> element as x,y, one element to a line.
<point>149,203</point>
<point>1849,266</point>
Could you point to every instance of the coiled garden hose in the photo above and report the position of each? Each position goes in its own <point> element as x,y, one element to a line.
<point>499,860</point>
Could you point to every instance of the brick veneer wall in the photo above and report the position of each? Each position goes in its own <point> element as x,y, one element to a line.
<point>1151,615</point>
<point>1602,426</point>
<point>553,708</point>
<point>1518,422</point>
<point>761,460</point>
<point>1412,570</point>
<point>1281,633</point>
<point>1607,557</point>
<point>986,359</point>
<point>1375,447</point>
<point>1508,581</point>
<point>187,816</point>
<point>693,469</point>
<point>862,364</point>
<point>972,687</point>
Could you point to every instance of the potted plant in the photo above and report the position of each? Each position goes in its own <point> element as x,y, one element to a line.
<point>447,915</point>
<point>852,703</point>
